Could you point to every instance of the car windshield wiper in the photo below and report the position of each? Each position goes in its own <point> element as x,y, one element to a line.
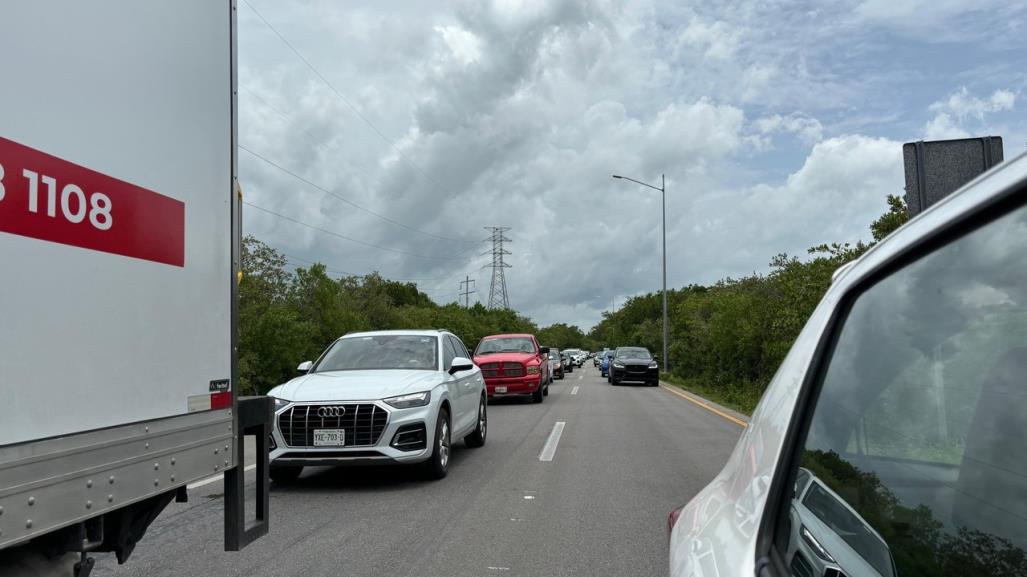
<point>483,353</point>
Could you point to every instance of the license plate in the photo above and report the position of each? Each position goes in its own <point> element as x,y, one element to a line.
<point>329,437</point>
<point>500,389</point>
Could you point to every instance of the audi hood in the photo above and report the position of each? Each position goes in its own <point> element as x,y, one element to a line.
<point>356,385</point>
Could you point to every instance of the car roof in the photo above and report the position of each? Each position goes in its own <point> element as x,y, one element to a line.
<point>504,335</point>
<point>413,333</point>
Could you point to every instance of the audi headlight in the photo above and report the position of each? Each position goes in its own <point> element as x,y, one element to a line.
<point>618,365</point>
<point>533,370</point>
<point>280,403</point>
<point>411,400</point>
<point>653,365</point>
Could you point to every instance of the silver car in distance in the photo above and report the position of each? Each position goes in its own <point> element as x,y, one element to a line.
<point>382,397</point>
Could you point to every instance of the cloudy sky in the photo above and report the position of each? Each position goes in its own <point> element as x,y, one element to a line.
<point>390,133</point>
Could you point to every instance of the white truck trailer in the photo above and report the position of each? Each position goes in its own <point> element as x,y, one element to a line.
<point>119,242</point>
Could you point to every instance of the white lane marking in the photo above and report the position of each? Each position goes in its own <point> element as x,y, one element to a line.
<point>581,377</point>
<point>498,568</point>
<point>549,450</point>
<point>529,497</point>
<point>574,391</point>
<point>217,477</point>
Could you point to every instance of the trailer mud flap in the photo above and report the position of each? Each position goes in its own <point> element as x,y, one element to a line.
<point>254,416</point>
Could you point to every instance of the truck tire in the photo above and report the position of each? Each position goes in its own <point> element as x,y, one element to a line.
<point>285,474</point>
<point>477,437</point>
<point>537,396</point>
<point>437,466</point>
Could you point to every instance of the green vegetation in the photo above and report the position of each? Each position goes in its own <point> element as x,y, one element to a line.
<point>728,339</point>
<point>286,317</point>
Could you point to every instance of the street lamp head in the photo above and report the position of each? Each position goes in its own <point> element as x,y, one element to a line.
<point>617,176</point>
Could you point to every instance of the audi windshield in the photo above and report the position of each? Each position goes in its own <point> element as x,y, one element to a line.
<point>407,352</point>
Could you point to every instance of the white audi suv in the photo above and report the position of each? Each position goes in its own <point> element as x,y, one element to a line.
<point>382,397</point>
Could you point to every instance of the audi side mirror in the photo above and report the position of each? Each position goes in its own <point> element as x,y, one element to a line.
<point>460,364</point>
<point>304,367</point>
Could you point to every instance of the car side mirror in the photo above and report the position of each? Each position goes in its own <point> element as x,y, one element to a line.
<point>543,350</point>
<point>304,366</point>
<point>459,365</point>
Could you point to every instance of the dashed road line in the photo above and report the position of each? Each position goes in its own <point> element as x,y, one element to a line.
<point>574,391</point>
<point>549,450</point>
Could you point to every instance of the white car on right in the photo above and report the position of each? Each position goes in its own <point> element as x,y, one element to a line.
<point>892,440</point>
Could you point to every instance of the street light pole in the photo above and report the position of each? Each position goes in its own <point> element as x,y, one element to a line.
<point>666,330</point>
<point>663,196</point>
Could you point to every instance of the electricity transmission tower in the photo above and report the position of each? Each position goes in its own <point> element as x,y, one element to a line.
<point>498,299</point>
<point>466,291</point>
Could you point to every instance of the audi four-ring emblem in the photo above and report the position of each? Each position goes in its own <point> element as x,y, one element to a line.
<point>331,412</point>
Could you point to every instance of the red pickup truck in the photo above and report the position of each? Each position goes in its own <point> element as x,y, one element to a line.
<point>514,365</point>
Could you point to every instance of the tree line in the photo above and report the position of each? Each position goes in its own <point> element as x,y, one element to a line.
<point>289,316</point>
<point>726,339</point>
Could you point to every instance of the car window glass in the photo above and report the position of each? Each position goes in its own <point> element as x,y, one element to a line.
<point>449,353</point>
<point>915,454</point>
<point>506,345</point>
<point>380,352</point>
<point>459,348</point>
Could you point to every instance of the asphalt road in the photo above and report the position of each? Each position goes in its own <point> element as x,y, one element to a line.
<point>627,455</point>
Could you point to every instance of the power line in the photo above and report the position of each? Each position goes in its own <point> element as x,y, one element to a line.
<point>344,199</point>
<point>347,273</point>
<point>355,110</point>
<point>314,139</point>
<point>335,234</point>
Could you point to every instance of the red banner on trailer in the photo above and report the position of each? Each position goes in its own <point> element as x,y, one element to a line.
<point>48,198</point>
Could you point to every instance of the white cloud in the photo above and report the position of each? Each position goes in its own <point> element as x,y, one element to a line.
<point>466,47</point>
<point>516,113</point>
<point>716,40</point>
<point>837,192</point>
<point>809,130</point>
<point>953,114</point>
<point>962,104</point>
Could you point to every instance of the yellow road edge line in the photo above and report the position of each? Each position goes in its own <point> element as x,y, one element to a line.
<point>714,410</point>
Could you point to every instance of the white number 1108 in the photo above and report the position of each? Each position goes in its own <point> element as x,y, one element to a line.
<point>72,200</point>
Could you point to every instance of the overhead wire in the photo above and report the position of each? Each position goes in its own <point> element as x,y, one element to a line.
<point>344,237</point>
<point>339,94</point>
<point>325,190</point>
<point>344,199</point>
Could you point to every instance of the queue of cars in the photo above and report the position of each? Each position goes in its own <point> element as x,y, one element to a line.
<point>402,397</point>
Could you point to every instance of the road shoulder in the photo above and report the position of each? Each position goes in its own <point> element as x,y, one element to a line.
<point>731,415</point>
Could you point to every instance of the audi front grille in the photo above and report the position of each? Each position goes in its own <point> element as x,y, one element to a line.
<point>364,423</point>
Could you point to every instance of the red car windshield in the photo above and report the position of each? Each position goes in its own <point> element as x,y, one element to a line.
<point>505,345</point>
